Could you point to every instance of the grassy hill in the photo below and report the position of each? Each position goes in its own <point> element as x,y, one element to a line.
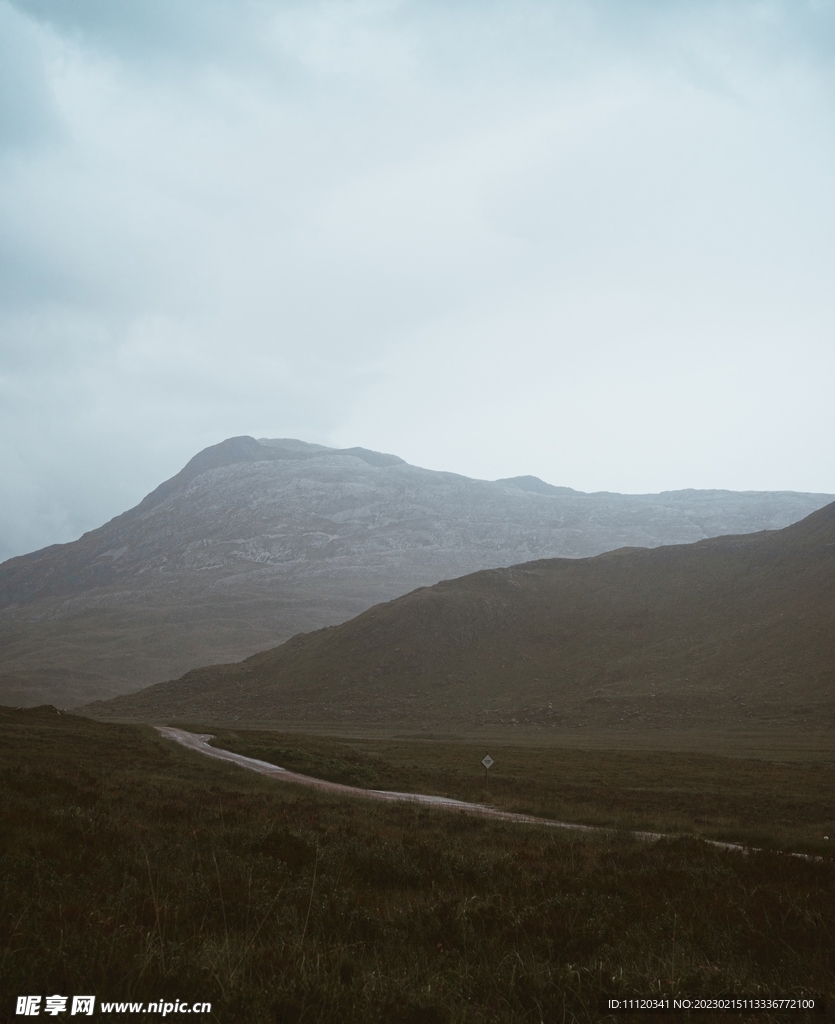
<point>727,632</point>
<point>254,541</point>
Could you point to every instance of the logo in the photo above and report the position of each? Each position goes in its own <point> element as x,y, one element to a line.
<point>30,1006</point>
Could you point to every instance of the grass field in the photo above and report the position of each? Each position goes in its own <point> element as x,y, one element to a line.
<point>779,805</point>
<point>136,870</point>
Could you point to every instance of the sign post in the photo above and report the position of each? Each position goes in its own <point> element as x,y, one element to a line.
<point>487,760</point>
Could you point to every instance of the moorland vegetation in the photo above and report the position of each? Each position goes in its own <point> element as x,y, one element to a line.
<point>138,870</point>
<point>784,805</point>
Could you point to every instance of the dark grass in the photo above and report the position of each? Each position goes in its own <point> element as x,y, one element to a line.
<point>134,869</point>
<point>788,805</point>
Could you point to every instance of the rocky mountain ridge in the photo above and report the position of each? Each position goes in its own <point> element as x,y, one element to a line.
<point>257,540</point>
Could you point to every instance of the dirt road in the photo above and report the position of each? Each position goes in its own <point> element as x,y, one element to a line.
<point>199,742</point>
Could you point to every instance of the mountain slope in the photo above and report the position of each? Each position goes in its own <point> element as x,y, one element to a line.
<point>254,541</point>
<point>732,630</point>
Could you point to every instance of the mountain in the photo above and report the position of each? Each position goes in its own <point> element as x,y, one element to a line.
<point>734,631</point>
<point>255,541</point>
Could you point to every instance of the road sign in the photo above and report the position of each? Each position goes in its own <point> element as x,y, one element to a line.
<point>487,761</point>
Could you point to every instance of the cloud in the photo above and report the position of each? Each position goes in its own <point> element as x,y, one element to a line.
<point>148,32</point>
<point>27,111</point>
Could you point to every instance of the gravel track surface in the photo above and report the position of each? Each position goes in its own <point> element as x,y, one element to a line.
<point>200,743</point>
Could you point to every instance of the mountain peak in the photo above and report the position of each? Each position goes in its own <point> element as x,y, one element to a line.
<point>534,484</point>
<point>254,541</point>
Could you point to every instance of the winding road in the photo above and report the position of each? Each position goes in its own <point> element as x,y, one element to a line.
<point>200,743</point>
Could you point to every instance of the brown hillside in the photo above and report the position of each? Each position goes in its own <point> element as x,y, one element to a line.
<point>254,541</point>
<point>728,631</point>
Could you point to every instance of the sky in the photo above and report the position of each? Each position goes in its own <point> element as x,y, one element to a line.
<point>590,240</point>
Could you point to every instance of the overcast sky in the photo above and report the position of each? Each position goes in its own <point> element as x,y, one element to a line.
<point>592,241</point>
